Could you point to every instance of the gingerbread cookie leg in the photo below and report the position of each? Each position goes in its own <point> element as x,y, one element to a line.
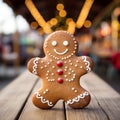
<point>42,100</point>
<point>79,101</point>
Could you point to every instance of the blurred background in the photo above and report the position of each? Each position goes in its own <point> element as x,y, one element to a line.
<point>22,37</point>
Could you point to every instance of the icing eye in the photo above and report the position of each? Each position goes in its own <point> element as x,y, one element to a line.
<point>65,43</point>
<point>54,43</point>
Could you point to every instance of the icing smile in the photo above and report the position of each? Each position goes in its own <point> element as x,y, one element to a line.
<point>60,53</point>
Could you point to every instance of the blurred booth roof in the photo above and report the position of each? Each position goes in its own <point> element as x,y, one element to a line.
<point>48,7</point>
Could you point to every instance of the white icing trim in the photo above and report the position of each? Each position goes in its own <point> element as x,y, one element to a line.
<point>60,53</point>
<point>77,99</point>
<point>43,100</point>
<point>35,66</point>
<point>87,63</point>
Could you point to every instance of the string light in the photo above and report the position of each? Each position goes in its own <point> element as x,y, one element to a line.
<point>60,6</point>
<point>68,20</point>
<point>84,13</point>
<point>87,24</point>
<point>48,26</point>
<point>34,25</point>
<point>53,21</point>
<point>71,27</point>
<point>36,14</point>
<point>40,31</point>
<point>62,13</point>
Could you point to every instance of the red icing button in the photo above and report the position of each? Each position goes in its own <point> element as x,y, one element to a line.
<point>59,72</point>
<point>59,63</point>
<point>60,80</point>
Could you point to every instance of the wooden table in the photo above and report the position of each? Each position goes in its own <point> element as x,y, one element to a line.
<point>15,101</point>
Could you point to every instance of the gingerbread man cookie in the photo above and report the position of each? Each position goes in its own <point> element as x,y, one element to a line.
<point>60,71</point>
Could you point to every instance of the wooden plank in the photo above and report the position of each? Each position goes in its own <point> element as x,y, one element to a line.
<point>30,112</point>
<point>104,105</point>
<point>13,97</point>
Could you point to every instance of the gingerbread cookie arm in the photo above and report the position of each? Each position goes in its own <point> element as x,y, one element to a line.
<point>33,65</point>
<point>87,64</point>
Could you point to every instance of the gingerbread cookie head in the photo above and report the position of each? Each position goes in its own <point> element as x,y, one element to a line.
<point>61,45</point>
<point>60,71</point>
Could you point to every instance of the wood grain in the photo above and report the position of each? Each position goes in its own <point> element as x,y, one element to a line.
<point>15,101</point>
<point>13,96</point>
<point>105,103</point>
<point>30,112</point>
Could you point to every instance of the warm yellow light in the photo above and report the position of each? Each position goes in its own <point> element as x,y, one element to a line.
<point>53,21</point>
<point>46,25</point>
<point>71,27</point>
<point>87,24</point>
<point>34,25</point>
<point>60,6</point>
<point>46,28</point>
<point>62,13</point>
<point>84,13</point>
<point>38,17</point>
<point>116,11</point>
<point>115,26</point>
<point>68,20</point>
<point>40,30</point>
<point>115,23</point>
